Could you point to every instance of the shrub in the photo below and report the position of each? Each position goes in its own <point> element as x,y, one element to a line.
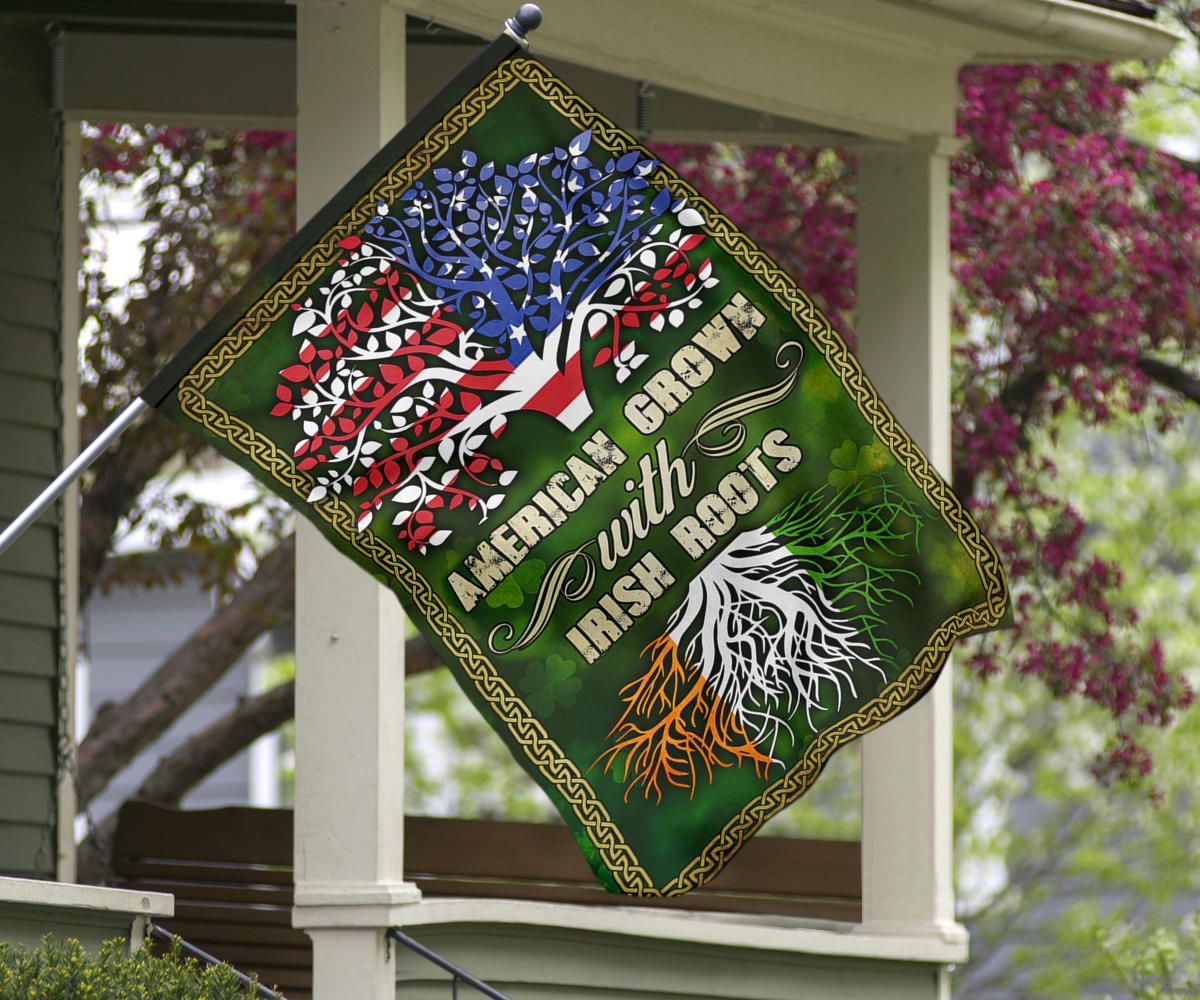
<point>62,970</point>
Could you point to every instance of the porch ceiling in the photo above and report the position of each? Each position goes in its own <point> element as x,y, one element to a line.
<point>878,68</point>
<point>760,70</point>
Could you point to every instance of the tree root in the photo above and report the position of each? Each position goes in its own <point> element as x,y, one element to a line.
<point>690,730</point>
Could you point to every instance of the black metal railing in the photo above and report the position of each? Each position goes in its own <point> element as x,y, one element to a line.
<point>204,958</point>
<point>457,974</point>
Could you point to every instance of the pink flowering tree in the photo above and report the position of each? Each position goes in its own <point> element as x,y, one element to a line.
<point>1075,252</point>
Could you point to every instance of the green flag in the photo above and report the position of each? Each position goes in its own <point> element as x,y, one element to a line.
<point>615,464</point>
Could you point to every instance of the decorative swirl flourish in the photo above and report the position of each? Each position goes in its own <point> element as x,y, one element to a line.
<point>555,584</point>
<point>727,417</point>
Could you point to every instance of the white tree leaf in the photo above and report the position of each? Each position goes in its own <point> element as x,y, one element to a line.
<point>309,427</point>
<point>439,536</point>
<point>507,476</point>
<point>409,494</point>
<point>657,322</point>
<point>675,317</point>
<point>304,321</point>
<point>446,449</point>
<point>318,492</point>
<point>690,217</point>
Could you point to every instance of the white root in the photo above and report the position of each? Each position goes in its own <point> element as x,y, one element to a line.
<point>770,644</point>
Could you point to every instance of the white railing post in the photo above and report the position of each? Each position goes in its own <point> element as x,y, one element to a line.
<point>350,58</point>
<point>904,345</point>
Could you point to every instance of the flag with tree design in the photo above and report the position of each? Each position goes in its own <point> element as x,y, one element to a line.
<point>614,463</point>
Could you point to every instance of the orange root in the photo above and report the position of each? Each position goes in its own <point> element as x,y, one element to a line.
<point>689,730</point>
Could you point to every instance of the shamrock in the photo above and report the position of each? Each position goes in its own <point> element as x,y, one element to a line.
<point>548,684</point>
<point>852,463</point>
<point>511,591</point>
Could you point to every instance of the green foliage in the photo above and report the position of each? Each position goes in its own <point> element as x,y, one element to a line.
<point>455,764</point>
<point>62,970</point>
<point>1162,965</point>
<point>1164,111</point>
<point>832,808</point>
<point>1049,863</point>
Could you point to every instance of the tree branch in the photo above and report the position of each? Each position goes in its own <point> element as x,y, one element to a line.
<point>1170,377</point>
<point>116,481</point>
<point>1019,395</point>
<point>195,759</point>
<point>121,731</point>
<point>178,772</point>
<point>1017,398</point>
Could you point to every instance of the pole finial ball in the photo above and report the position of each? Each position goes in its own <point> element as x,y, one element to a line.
<point>528,17</point>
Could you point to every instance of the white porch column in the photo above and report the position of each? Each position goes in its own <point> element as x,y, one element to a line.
<point>904,345</point>
<point>350,59</point>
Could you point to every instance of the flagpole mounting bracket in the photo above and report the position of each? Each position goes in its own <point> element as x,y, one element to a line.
<point>525,20</point>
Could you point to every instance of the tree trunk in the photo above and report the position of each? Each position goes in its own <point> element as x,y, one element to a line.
<point>184,768</point>
<point>121,731</point>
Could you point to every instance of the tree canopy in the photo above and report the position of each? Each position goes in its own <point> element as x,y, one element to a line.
<point>1074,252</point>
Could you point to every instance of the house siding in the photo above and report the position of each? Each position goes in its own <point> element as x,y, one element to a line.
<point>30,449</point>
